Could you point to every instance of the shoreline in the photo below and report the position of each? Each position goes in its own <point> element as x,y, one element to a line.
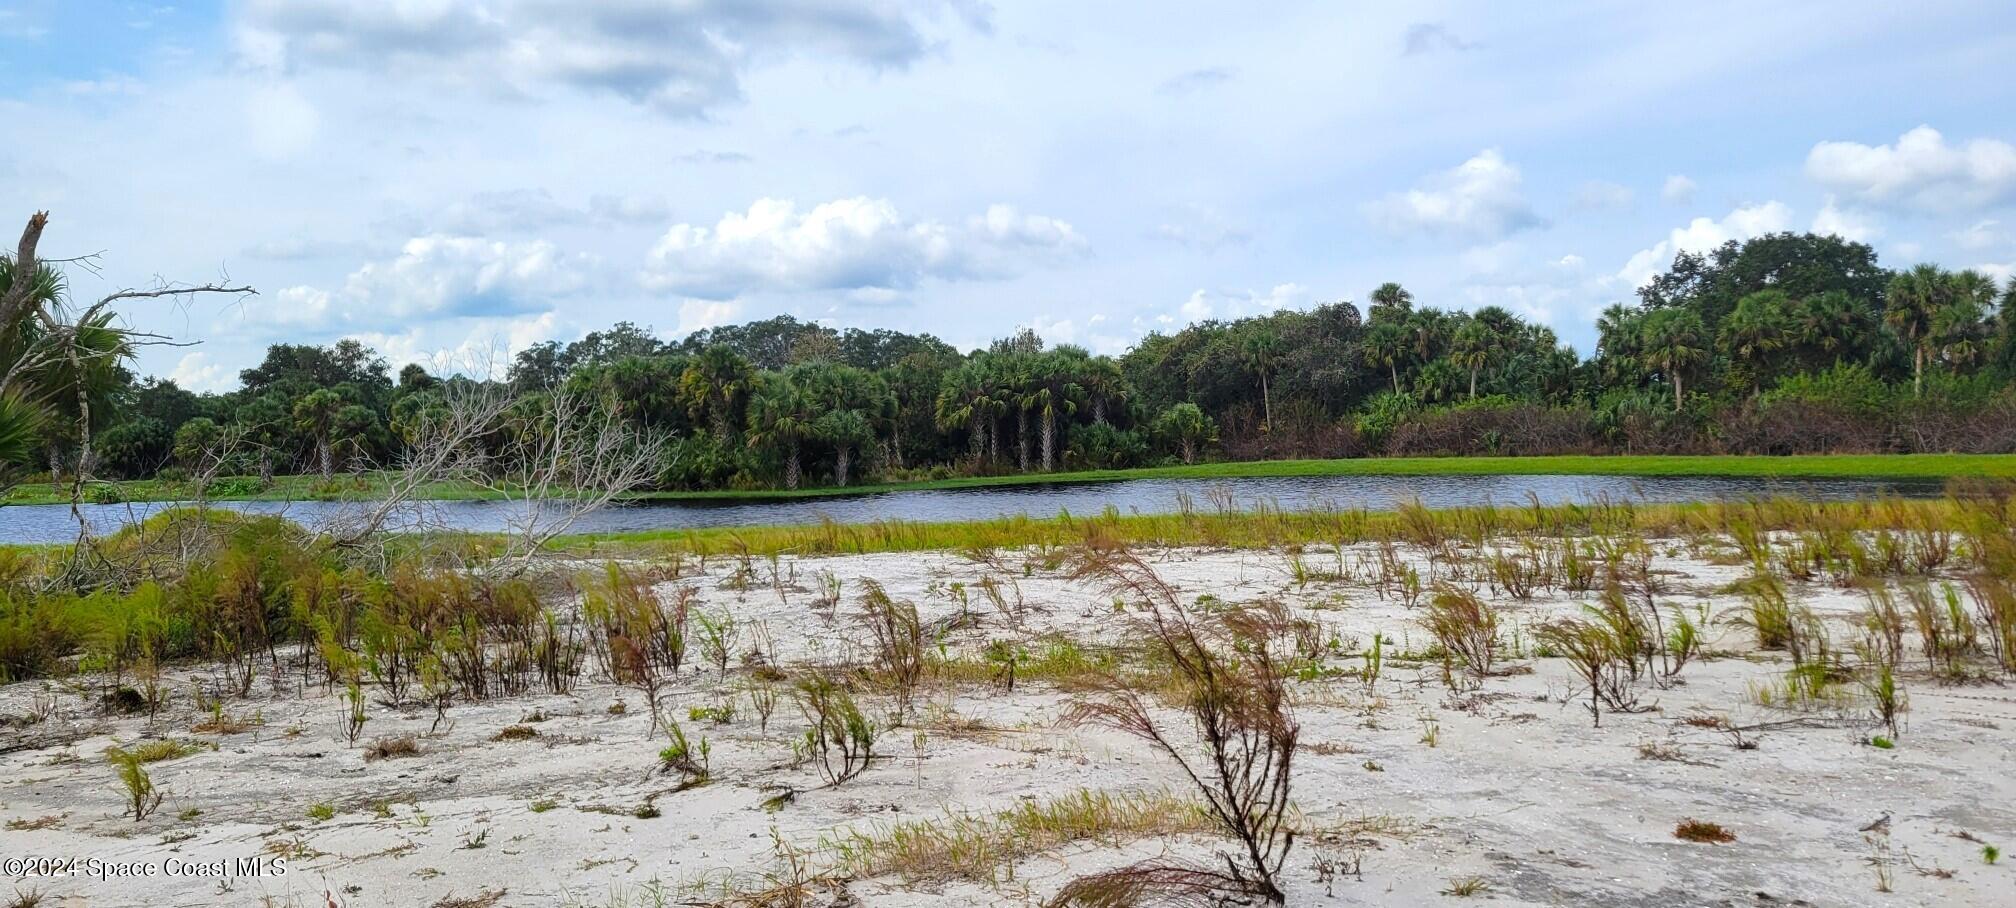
<point>1927,467</point>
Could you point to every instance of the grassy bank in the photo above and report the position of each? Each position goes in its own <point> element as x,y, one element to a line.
<point>1932,467</point>
<point>1828,466</point>
<point>284,488</point>
<point>1280,529</point>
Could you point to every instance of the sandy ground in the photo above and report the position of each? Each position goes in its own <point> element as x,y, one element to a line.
<point>1518,789</point>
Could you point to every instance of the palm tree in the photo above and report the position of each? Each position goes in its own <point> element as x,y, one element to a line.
<point>1390,302</point>
<point>1963,325</point>
<point>779,419</point>
<point>78,373</point>
<point>315,416</point>
<point>1438,381</point>
<point>1756,328</point>
<point>1186,425</point>
<point>1261,349</point>
<point>712,387</point>
<point>1472,347</point>
<point>1960,328</point>
<point>263,425</point>
<point>845,430</point>
<point>1104,386</point>
<point>1674,341</point>
<point>966,401</point>
<point>1386,345</point>
<point>1053,391</point>
<point>1426,331</point>
<point>1911,302</point>
<point>1013,383</point>
<point>2005,324</point>
<point>1830,324</point>
<point>19,423</point>
<point>1617,349</point>
<point>351,432</point>
<point>46,290</point>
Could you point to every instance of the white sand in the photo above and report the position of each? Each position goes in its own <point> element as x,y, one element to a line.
<point>1519,790</point>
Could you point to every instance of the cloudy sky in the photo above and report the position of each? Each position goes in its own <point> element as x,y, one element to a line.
<point>447,176</point>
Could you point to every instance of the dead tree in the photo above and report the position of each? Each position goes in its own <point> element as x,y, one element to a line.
<point>556,459</point>
<point>60,338</point>
<point>562,462</point>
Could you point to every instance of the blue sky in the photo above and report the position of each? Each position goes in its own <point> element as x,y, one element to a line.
<point>451,181</point>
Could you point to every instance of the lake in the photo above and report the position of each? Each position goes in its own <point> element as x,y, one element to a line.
<point>31,524</point>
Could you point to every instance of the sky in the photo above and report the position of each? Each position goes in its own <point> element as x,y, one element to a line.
<point>453,180</point>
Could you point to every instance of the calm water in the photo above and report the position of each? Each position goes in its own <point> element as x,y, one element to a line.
<point>52,523</point>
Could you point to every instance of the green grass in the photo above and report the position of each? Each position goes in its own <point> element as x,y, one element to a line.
<point>284,488</point>
<point>1823,466</point>
<point>1271,528</point>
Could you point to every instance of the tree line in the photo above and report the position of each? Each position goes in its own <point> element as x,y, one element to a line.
<point>1788,343</point>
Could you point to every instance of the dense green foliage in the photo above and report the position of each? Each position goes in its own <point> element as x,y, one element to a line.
<point>1785,344</point>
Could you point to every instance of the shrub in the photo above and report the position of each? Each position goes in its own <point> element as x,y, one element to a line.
<point>138,786</point>
<point>1186,430</point>
<point>1382,414</point>
<point>1102,446</point>
<point>841,739</point>
<point>1493,426</point>
<point>683,757</point>
<point>1233,688</point>
<point>639,636</point>
<point>900,647</point>
<point>1466,626</point>
<point>1603,662</point>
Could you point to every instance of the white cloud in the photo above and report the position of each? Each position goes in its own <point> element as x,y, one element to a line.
<point>1481,197</point>
<point>195,372</point>
<point>2002,272</point>
<point>1848,224</point>
<point>1054,331</point>
<point>1921,170</point>
<point>1703,234</point>
<point>1198,307</point>
<point>440,277</point>
<point>298,305</point>
<point>1204,304</point>
<point>479,347</point>
<point>1982,235</point>
<point>848,244</point>
<point>1679,189</point>
<point>1599,195</point>
<point>519,211</point>
<point>695,315</point>
<point>1005,226</point>
<point>461,275</point>
<point>1533,287</point>
<point>680,59</point>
